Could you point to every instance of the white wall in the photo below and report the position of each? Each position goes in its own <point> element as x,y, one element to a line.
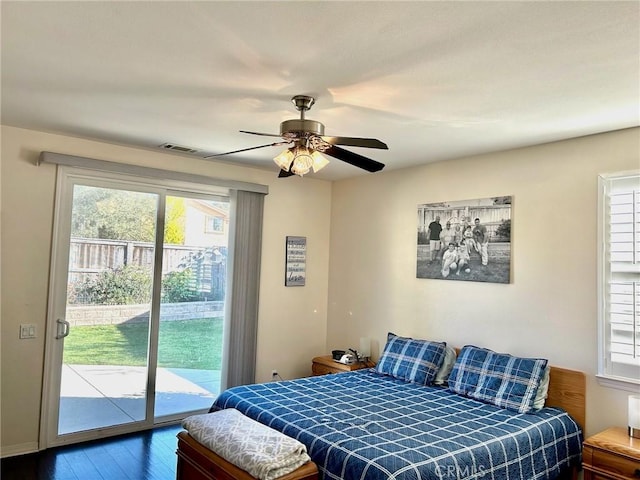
<point>292,321</point>
<point>548,309</point>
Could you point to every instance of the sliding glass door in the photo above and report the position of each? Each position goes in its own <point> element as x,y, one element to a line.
<point>192,305</point>
<point>136,306</point>
<point>104,333</point>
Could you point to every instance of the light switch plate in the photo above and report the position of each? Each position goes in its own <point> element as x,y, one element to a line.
<point>27,330</point>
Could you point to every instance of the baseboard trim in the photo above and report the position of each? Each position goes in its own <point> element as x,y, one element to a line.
<point>19,449</point>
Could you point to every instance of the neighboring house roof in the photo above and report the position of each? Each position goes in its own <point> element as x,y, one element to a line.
<point>208,207</point>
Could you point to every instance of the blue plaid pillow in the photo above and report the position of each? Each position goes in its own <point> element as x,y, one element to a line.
<point>498,378</point>
<point>415,361</point>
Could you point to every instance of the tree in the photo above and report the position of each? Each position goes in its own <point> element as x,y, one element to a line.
<point>84,219</point>
<point>175,221</point>
<point>128,216</point>
<point>124,215</point>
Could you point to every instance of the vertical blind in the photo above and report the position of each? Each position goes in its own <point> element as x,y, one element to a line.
<point>242,317</point>
<point>621,279</point>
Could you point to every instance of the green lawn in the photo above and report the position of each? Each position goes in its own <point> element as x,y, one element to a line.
<point>497,271</point>
<point>193,343</point>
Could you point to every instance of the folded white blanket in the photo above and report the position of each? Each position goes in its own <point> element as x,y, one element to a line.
<point>259,450</point>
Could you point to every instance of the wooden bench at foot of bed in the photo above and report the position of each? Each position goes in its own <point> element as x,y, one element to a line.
<point>197,462</point>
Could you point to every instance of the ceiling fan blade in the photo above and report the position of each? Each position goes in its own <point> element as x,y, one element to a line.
<point>250,148</point>
<point>354,159</point>
<point>356,142</point>
<point>263,134</point>
<point>283,174</point>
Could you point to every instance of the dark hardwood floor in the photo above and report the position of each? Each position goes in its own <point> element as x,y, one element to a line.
<point>148,455</point>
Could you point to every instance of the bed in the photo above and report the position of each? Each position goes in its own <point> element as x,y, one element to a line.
<point>365,425</point>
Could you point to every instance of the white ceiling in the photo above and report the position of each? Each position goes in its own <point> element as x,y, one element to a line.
<point>434,80</point>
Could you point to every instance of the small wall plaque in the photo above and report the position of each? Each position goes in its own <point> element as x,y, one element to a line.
<point>296,260</point>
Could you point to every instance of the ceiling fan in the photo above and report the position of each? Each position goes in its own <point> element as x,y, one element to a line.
<point>306,141</point>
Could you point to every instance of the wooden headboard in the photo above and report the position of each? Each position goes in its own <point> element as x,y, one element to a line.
<point>567,390</point>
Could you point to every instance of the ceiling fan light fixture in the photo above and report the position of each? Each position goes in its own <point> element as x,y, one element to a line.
<point>319,161</point>
<point>284,159</point>
<point>302,161</point>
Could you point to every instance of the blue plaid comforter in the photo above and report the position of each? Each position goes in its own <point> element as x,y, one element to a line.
<point>364,426</point>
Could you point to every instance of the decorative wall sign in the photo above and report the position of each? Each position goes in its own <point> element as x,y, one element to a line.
<point>296,262</point>
<point>465,240</point>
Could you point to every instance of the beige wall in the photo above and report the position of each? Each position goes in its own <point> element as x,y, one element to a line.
<point>292,321</point>
<point>548,309</point>
<point>368,285</point>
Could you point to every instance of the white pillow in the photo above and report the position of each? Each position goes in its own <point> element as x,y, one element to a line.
<point>447,365</point>
<point>543,388</point>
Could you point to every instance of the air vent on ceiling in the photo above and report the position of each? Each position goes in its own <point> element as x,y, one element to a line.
<point>178,148</point>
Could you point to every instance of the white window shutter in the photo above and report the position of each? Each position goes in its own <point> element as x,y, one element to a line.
<point>619,275</point>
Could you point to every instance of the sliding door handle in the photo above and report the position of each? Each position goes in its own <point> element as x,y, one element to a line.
<point>62,327</point>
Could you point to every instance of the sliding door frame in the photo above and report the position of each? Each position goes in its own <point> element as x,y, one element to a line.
<point>68,176</point>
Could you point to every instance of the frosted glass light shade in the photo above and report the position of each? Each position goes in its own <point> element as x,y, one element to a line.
<point>319,162</point>
<point>634,416</point>
<point>283,160</point>
<point>301,164</point>
<point>365,347</point>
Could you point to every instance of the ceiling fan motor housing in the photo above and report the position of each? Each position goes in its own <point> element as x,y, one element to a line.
<point>301,128</point>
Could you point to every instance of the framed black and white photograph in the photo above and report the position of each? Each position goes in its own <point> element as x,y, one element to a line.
<point>467,240</point>
<point>296,260</point>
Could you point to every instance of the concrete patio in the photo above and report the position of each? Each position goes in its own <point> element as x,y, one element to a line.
<point>96,396</point>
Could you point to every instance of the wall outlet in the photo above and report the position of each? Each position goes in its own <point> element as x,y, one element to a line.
<point>274,374</point>
<point>27,330</point>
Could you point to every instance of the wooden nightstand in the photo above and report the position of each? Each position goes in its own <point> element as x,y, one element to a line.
<point>611,454</point>
<point>325,364</point>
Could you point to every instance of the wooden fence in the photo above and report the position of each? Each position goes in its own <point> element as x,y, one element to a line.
<point>90,257</point>
<point>491,216</point>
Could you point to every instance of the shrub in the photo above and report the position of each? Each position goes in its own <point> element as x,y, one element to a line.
<point>132,285</point>
<point>122,286</point>
<point>179,287</point>
<point>504,230</point>
<point>423,239</point>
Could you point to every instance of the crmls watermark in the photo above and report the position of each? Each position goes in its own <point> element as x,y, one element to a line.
<point>454,471</point>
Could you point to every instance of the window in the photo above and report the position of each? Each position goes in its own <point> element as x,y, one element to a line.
<point>619,277</point>
<point>213,224</point>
